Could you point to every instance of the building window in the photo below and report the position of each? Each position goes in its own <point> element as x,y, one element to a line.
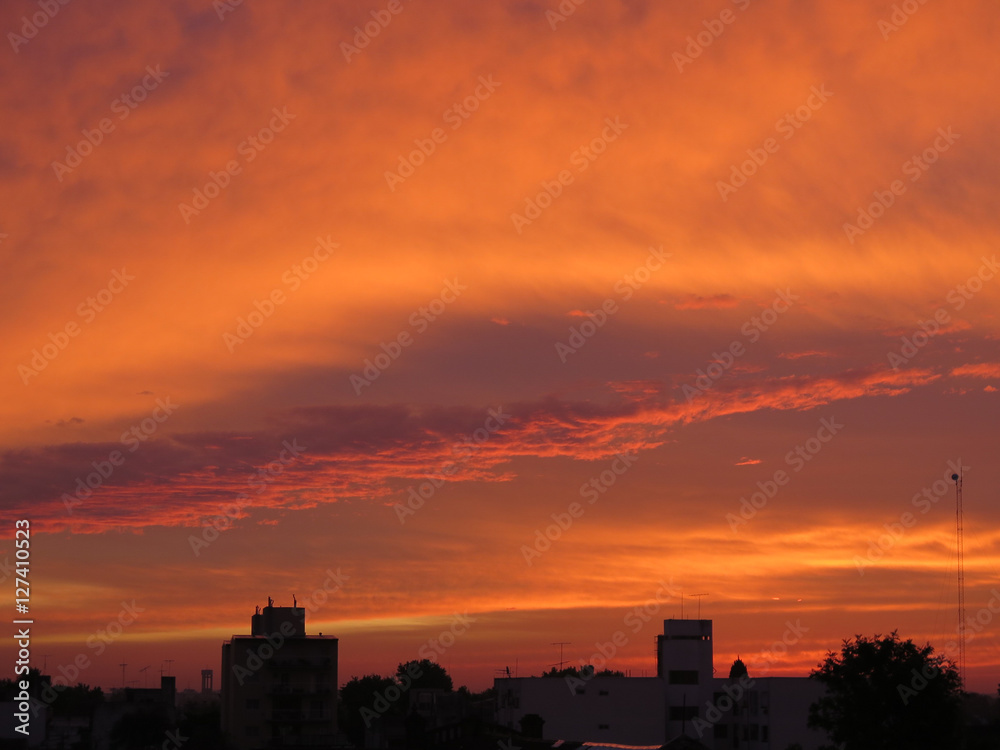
<point>252,731</point>
<point>581,691</point>
<point>721,731</point>
<point>682,677</point>
<point>681,713</point>
<point>604,726</point>
<point>253,704</point>
<point>763,733</point>
<point>602,692</point>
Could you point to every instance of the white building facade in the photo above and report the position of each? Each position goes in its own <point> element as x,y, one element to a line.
<point>685,698</point>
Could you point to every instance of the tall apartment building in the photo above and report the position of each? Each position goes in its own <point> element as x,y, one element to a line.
<point>279,685</point>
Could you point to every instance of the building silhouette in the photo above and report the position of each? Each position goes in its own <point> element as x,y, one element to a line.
<point>684,700</point>
<point>279,685</point>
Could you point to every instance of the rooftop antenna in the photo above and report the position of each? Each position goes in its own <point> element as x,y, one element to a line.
<point>560,644</point>
<point>145,682</point>
<point>960,545</point>
<point>45,663</point>
<point>699,602</point>
<point>123,665</point>
<point>169,662</point>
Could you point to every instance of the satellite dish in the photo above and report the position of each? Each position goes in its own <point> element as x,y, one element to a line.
<point>954,477</point>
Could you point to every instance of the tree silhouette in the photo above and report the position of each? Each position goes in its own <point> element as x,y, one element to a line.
<point>424,674</point>
<point>888,694</point>
<point>362,693</point>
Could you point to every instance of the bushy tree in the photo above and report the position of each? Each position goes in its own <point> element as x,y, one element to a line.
<point>424,674</point>
<point>888,694</point>
<point>360,695</point>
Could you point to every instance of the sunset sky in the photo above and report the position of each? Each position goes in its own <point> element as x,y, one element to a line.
<point>645,257</point>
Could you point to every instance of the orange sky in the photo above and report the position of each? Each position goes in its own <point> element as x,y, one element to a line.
<point>444,209</point>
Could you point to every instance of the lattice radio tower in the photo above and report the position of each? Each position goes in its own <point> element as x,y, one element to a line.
<point>960,548</point>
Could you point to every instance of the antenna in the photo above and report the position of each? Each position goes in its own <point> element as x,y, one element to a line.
<point>123,665</point>
<point>142,671</point>
<point>960,548</point>
<point>45,663</point>
<point>169,662</point>
<point>699,602</point>
<point>560,644</point>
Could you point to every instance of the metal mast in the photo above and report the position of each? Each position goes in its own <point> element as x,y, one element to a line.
<point>960,547</point>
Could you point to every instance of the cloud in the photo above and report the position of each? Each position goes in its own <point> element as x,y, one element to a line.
<point>801,355</point>
<point>712,302</point>
<point>978,370</point>
<point>369,453</point>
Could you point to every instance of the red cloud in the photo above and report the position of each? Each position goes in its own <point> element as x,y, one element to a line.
<point>978,370</point>
<point>369,453</point>
<point>699,302</point>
